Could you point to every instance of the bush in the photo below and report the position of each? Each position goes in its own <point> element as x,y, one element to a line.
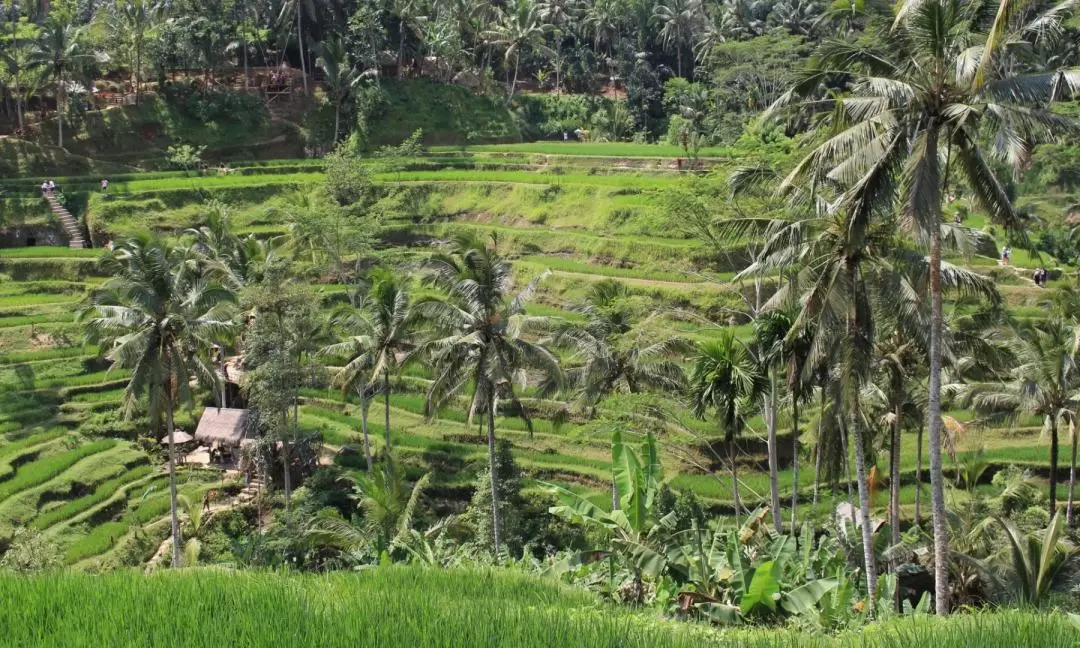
<point>206,106</point>
<point>347,180</point>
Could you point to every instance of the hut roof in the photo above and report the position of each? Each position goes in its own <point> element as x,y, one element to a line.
<point>225,425</point>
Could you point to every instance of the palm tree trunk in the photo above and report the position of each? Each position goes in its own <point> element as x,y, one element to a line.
<point>937,479</point>
<point>734,479</point>
<point>496,524</point>
<point>918,476</point>
<point>864,506</point>
<point>1072,477</point>
<point>247,80</point>
<point>172,478</point>
<point>60,111</point>
<point>1053,463</point>
<point>300,43</point>
<point>894,479</point>
<point>817,446</point>
<point>337,120</point>
<point>364,405</point>
<point>386,406</point>
<point>138,71</point>
<point>774,481</point>
<point>844,432</point>
<point>401,48</point>
<point>794,456</point>
<point>286,477</point>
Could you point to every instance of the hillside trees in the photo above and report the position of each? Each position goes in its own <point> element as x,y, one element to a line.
<point>923,86</point>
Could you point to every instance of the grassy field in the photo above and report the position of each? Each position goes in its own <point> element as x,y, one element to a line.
<point>416,607</point>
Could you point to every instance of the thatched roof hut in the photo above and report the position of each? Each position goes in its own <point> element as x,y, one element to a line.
<point>224,426</point>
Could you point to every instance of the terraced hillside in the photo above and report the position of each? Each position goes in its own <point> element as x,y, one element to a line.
<point>580,213</point>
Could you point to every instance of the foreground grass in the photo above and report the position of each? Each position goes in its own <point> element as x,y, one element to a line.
<point>413,607</point>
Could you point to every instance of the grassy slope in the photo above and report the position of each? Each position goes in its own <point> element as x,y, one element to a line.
<point>592,225</point>
<point>414,607</point>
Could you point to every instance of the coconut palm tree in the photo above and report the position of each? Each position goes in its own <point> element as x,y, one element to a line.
<point>342,75</point>
<point>1045,382</point>
<point>356,326</point>
<point>62,50</point>
<point>394,324</point>
<point>916,94</point>
<point>725,380</point>
<point>520,28</point>
<point>612,353</point>
<point>160,322</point>
<point>679,20</point>
<point>479,323</point>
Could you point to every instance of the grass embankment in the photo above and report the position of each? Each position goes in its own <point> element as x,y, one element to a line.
<point>415,607</point>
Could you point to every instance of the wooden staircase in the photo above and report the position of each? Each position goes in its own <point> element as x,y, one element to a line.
<point>71,226</point>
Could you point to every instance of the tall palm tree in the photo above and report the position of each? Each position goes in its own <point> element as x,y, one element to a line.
<point>520,28</point>
<point>770,330</point>
<point>62,50</point>
<point>394,323</point>
<point>913,90</point>
<point>612,354</point>
<point>342,75</point>
<point>725,380</point>
<point>1045,382</point>
<point>160,322</point>
<point>357,327</point>
<point>679,21</point>
<point>480,323</point>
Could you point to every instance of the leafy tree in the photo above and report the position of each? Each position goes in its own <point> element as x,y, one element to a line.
<point>30,553</point>
<point>161,322</point>
<point>519,29</point>
<point>186,156</point>
<point>613,355</point>
<point>284,328</point>
<point>1044,382</point>
<point>479,326</point>
<point>678,20</point>
<point>61,50</point>
<point>342,75</point>
<point>725,380</point>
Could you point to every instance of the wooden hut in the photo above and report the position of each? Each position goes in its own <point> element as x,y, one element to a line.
<point>223,427</point>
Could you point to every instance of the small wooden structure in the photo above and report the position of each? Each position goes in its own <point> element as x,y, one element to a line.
<point>223,427</point>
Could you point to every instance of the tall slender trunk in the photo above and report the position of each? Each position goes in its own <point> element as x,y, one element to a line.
<point>864,506</point>
<point>386,406</point>
<point>774,482</point>
<point>844,432</point>
<point>918,476</point>
<point>894,482</point>
<point>401,48</point>
<point>937,479</point>
<point>286,476</point>
<point>1072,476</point>
<point>337,120</point>
<point>734,479</point>
<point>247,80</point>
<point>496,522</point>
<point>60,110</point>
<point>300,43</point>
<point>794,455</point>
<point>1053,463</point>
<point>365,403</point>
<point>138,72</point>
<point>172,477</point>
<point>817,446</point>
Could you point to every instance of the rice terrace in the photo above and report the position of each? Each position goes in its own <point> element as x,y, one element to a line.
<point>539,323</point>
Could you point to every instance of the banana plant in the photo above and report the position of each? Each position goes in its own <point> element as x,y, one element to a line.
<point>639,536</point>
